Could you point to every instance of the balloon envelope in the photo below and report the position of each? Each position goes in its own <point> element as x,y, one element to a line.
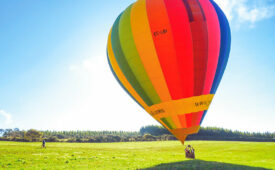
<point>169,56</point>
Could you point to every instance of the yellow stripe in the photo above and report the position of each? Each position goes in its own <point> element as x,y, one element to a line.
<point>179,107</point>
<point>146,49</point>
<point>132,59</point>
<point>120,75</point>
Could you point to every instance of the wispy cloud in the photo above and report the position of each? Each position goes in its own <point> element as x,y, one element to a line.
<point>7,117</point>
<point>247,11</point>
<point>86,65</point>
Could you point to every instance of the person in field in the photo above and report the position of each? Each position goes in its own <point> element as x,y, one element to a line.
<point>44,143</point>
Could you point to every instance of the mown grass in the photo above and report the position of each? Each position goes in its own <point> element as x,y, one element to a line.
<point>137,155</point>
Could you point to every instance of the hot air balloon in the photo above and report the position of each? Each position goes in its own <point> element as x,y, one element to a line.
<point>170,56</point>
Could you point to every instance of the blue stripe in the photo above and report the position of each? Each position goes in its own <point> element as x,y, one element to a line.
<point>120,81</point>
<point>224,50</point>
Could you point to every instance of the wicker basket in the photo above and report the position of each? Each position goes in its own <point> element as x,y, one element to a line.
<point>190,152</point>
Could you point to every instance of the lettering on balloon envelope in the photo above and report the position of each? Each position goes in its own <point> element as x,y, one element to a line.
<point>160,32</point>
<point>183,106</point>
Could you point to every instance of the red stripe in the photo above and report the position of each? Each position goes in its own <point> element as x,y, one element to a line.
<point>200,45</point>
<point>213,27</point>
<point>180,26</point>
<point>194,118</point>
<point>188,118</point>
<point>198,121</point>
<point>164,43</point>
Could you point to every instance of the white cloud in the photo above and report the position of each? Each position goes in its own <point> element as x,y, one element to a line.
<point>7,117</point>
<point>255,14</point>
<point>247,11</point>
<point>228,7</point>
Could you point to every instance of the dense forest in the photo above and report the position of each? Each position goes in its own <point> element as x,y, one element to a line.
<point>147,133</point>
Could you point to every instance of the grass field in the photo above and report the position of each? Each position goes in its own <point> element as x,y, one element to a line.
<point>137,155</point>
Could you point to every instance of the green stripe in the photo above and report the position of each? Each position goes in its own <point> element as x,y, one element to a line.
<point>169,122</point>
<point>123,64</point>
<point>132,56</point>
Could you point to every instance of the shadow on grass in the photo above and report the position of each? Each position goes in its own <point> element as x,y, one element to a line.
<point>201,165</point>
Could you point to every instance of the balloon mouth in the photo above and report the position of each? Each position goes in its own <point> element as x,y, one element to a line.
<point>181,117</point>
<point>182,133</point>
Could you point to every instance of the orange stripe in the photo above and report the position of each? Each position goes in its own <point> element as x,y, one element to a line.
<point>164,43</point>
<point>182,120</point>
<point>146,49</point>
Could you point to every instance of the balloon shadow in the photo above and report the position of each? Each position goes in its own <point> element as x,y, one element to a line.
<point>201,165</point>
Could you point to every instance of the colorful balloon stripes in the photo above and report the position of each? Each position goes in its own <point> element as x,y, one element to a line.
<point>170,55</point>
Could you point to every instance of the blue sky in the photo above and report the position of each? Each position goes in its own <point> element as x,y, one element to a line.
<point>54,73</point>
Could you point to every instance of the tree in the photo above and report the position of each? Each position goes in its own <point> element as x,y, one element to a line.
<point>60,136</point>
<point>154,130</point>
<point>2,131</point>
<point>52,139</point>
<point>33,135</point>
<point>7,132</point>
<point>149,137</point>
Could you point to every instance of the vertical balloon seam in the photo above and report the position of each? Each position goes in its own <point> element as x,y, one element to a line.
<point>120,83</point>
<point>174,119</point>
<point>189,118</point>
<point>179,21</point>
<point>120,58</point>
<point>217,69</point>
<point>161,34</point>
<point>121,76</point>
<point>193,20</point>
<point>203,13</point>
<point>146,49</point>
<point>183,44</point>
<point>224,50</point>
<point>188,9</point>
<point>193,119</point>
<point>198,29</point>
<point>132,57</point>
<point>197,114</point>
<point>213,25</point>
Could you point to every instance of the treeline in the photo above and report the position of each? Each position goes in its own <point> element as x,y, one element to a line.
<point>147,133</point>
<point>214,133</point>
<point>33,135</point>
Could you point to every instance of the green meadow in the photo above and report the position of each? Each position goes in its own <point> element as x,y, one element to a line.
<point>137,155</point>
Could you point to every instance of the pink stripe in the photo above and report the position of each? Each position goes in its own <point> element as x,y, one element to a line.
<point>213,43</point>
